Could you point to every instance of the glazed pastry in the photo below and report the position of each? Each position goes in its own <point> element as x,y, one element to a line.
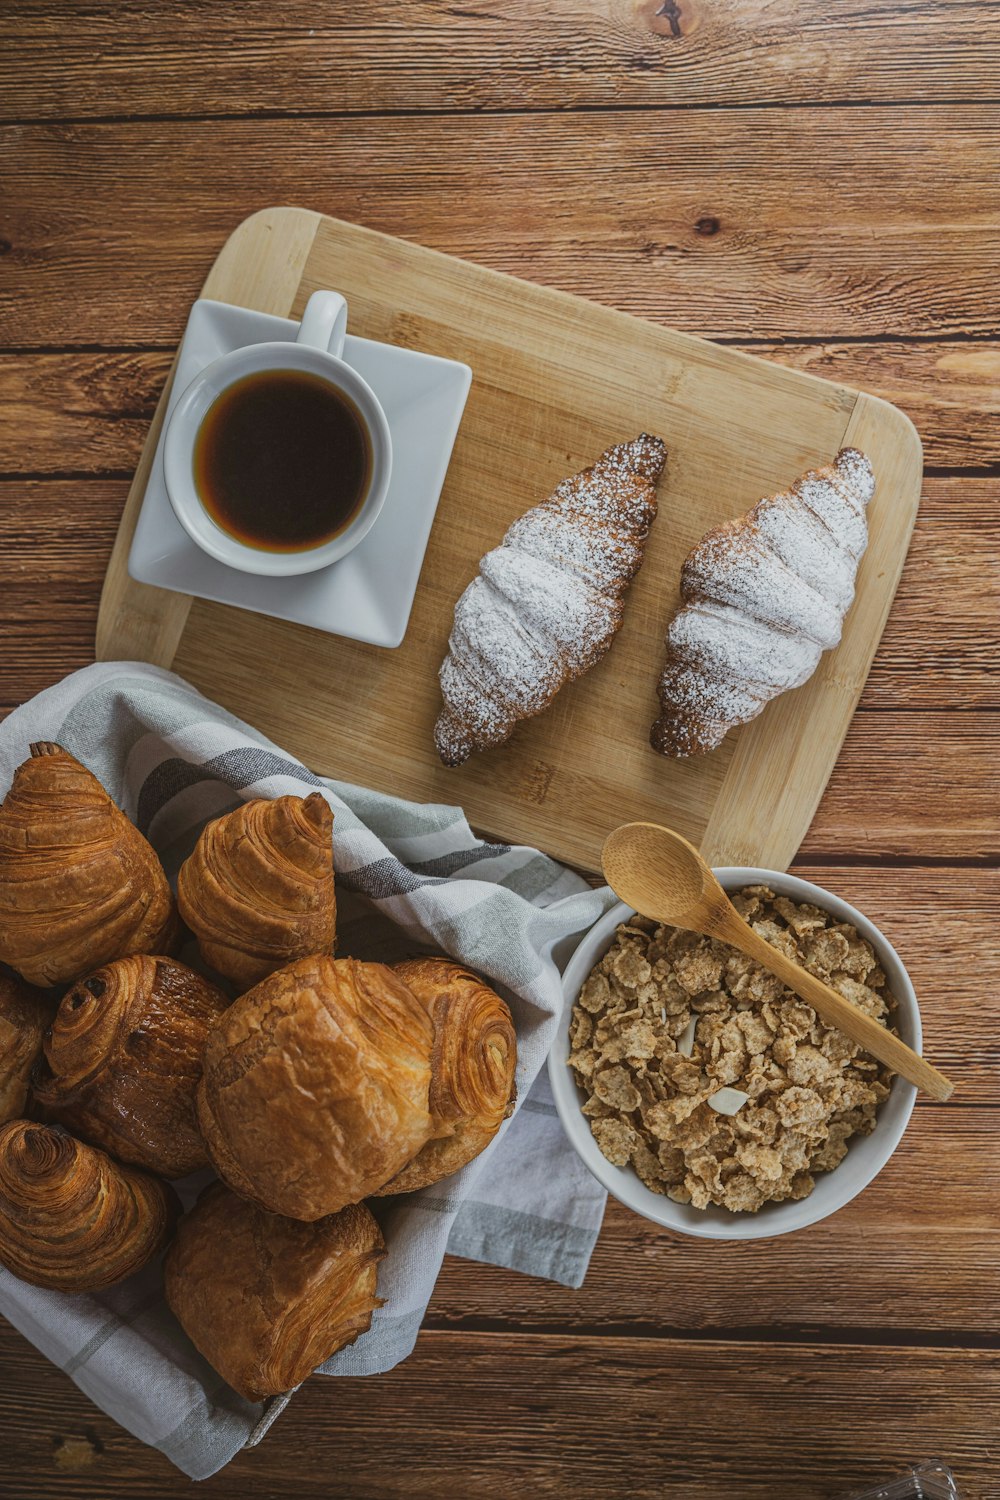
<point>79,885</point>
<point>70,1217</point>
<point>266,1299</point>
<point>764,596</point>
<point>472,1068</point>
<point>548,601</point>
<point>24,1015</point>
<point>258,890</point>
<point>315,1087</point>
<point>123,1060</point>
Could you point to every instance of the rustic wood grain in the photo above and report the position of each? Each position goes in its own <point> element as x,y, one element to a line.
<point>857,243</point>
<point>89,411</point>
<point>57,534</point>
<point>481,1414</point>
<point>62,60</point>
<point>756,223</point>
<point>891,1260</point>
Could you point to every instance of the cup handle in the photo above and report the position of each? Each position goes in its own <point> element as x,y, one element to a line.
<point>324,323</point>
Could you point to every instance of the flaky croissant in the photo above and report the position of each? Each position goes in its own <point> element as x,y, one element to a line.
<point>24,1015</point>
<point>258,892</point>
<point>266,1299</point>
<point>70,1217</point>
<point>472,1068</point>
<point>548,601</point>
<point>764,596</point>
<point>123,1060</point>
<point>79,885</point>
<point>315,1086</point>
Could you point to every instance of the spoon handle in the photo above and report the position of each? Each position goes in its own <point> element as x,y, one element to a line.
<point>835,1010</point>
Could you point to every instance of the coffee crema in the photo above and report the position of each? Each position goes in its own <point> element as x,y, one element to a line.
<point>282,461</point>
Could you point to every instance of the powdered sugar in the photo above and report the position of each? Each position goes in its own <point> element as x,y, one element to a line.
<point>764,595</point>
<point>548,601</point>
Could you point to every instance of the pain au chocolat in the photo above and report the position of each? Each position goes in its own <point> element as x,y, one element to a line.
<point>123,1060</point>
<point>472,1068</point>
<point>315,1086</point>
<point>79,885</point>
<point>258,892</point>
<point>266,1299</point>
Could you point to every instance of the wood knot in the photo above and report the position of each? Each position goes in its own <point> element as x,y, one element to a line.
<point>707,225</point>
<point>670,18</point>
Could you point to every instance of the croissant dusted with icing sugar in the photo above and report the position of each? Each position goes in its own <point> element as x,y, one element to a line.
<point>764,597</point>
<point>123,1061</point>
<point>315,1086</point>
<point>24,1017</point>
<point>472,1068</point>
<point>266,1299</point>
<point>548,601</point>
<point>79,885</point>
<point>70,1217</point>
<point>258,890</point>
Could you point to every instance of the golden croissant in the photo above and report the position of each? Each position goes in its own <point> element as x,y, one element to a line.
<point>472,1068</point>
<point>79,885</point>
<point>123,1060</point>
<point>70,1217</point>
<point>315,1086</point>
<point>266,1299</point>
<point>24,1016</point>
<point>258,890</point>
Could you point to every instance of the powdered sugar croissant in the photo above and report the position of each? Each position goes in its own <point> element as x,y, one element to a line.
<point>764,596</point>
<point>548,601</point>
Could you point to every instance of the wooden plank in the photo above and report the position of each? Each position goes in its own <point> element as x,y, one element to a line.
<point>487,54</point>
<point>481,1414</point>
<point>910,786</point>
<point>934,654</point>
<point>89,411</point>
<point>930,1217</point>
<point>717,222</point>
<point>557,381</point>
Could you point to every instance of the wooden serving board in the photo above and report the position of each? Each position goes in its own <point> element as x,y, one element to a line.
<point>555,381</point>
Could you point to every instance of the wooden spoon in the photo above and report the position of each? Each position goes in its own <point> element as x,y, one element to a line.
<point>664,877</point>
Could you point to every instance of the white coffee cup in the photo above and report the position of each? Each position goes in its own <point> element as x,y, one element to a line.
<point>317,350</point>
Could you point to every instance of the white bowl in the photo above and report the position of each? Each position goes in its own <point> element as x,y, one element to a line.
<point>866,1155</point>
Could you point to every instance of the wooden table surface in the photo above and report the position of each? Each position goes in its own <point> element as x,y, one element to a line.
<point>816,180</point>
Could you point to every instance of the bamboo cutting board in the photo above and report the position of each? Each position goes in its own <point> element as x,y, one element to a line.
<point>556,380</point>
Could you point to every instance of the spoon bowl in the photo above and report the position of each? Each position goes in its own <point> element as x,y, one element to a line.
<point>661,875</point>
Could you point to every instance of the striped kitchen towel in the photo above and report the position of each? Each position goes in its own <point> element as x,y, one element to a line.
<point>409,877</point>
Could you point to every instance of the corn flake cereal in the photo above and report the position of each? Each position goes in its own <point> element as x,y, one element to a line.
<point>808,1088</point>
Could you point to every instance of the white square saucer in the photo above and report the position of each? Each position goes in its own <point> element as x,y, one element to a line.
<point>368,594</point>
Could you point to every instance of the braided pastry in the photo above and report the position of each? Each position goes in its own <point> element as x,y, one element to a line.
<point>258,890</point>
<point>764,596</point>
<point>70,1217</point>
<point>548,601</point>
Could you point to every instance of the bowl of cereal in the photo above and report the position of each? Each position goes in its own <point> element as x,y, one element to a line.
<point>705,1095</point>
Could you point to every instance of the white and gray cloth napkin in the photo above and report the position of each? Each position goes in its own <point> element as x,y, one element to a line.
<point>173,760</point>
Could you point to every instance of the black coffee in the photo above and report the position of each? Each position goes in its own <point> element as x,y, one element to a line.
<point>282,461</point>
